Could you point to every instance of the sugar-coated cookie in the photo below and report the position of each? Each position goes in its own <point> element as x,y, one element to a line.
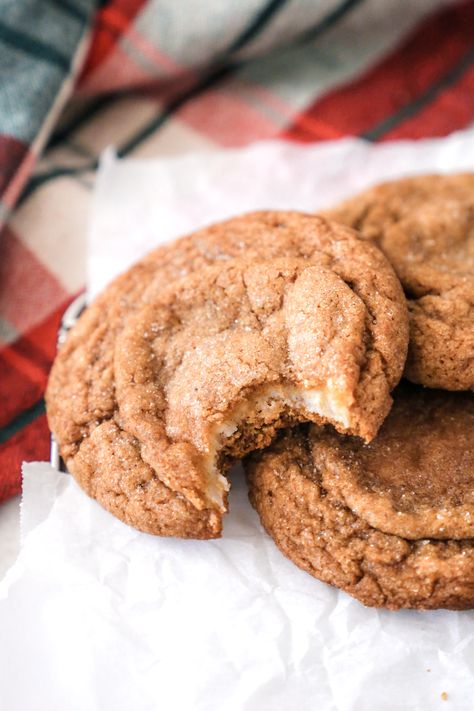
<point>390,522</point>
<point>97,439</point>
<point>425,226</point>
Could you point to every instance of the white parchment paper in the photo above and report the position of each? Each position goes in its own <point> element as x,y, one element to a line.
<point>96,616</point>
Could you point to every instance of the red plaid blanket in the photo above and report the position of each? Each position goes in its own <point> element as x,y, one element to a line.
<point>162,77</point>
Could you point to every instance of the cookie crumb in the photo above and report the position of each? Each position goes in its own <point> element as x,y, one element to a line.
<point>444,695</point>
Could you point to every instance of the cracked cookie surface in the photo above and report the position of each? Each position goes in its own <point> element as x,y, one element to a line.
<point>425,226</point>
<point>389,522</point>
<point>81,395</point>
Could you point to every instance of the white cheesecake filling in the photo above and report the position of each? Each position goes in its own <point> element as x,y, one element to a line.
<point>267,406</point>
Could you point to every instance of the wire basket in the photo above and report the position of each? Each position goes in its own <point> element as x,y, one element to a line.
<point>68,320</point>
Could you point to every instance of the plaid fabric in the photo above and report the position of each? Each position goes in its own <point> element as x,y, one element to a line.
<point>165,77</point>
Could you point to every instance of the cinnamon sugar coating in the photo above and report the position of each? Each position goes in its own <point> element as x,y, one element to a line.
<point>389,522</point>
<point>425,226</point>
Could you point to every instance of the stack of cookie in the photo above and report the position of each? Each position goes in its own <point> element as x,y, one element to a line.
<point>279,337</point>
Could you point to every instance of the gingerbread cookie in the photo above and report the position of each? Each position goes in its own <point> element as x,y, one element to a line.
<point>425,226</point>
<point>81,396</point>
<point>390,522</point>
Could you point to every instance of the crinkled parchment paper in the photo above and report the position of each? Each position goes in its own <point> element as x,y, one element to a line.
<point>96,616</point>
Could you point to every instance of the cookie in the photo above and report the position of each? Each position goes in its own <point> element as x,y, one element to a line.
<point>81,397</point>
<point>425,226</point>
<point>390,522</point>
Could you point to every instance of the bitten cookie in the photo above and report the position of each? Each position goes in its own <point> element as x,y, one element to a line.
<point>425,226</point>
<point>105,457</point>
<point>390,522</point>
